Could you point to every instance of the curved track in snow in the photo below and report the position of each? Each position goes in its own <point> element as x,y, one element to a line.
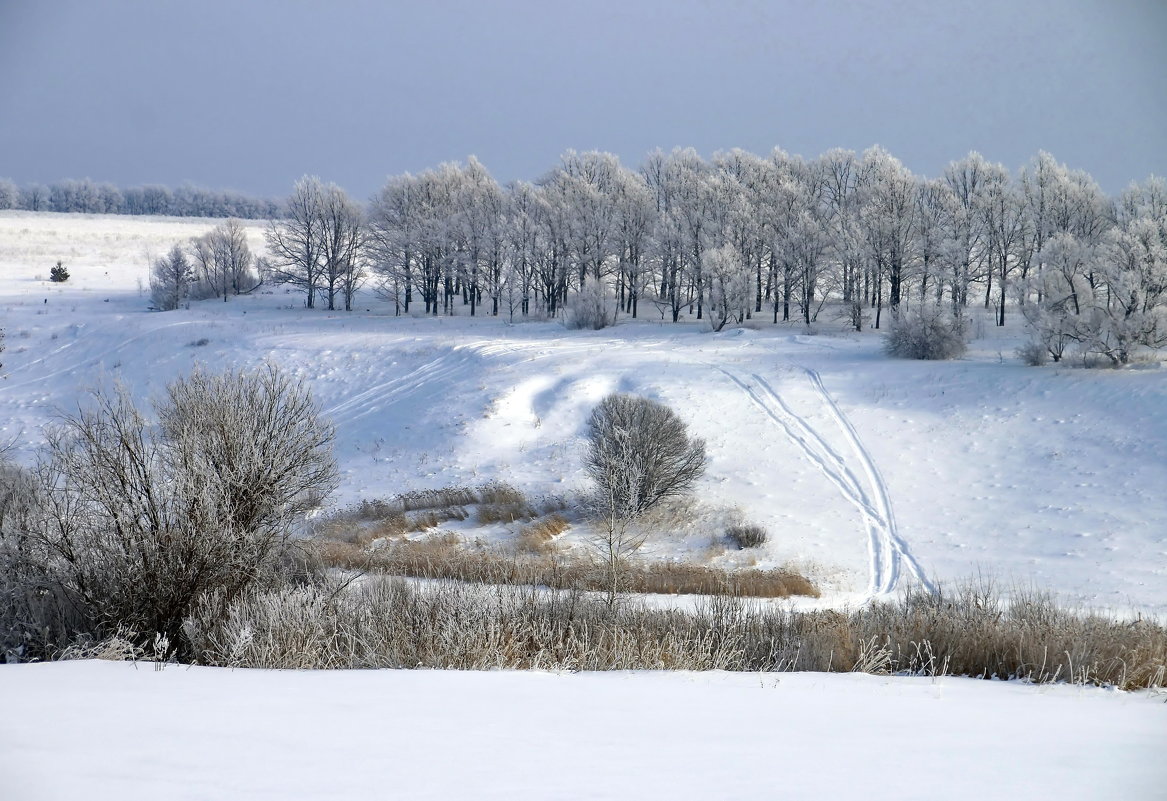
<point>431,375</point>
<point>857,478</point>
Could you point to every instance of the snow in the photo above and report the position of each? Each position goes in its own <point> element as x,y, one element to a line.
<point>868,472</point>
<point>102,730</point>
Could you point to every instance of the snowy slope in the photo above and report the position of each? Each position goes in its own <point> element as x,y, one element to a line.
<point>101,730</point>
<point>868,472</point>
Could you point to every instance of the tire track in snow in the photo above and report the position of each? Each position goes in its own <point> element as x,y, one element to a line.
<point>387,393</point>
<point>882,497</point>
<point>89,360</point>
<point>886,549</point>
<point>459,358</point>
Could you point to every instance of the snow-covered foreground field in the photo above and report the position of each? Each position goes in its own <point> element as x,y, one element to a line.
<point>101,730</point>
<point>866,471</point>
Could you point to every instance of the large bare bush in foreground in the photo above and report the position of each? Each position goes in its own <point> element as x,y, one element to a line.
<point>134,521</point>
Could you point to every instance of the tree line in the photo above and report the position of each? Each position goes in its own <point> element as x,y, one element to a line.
<point>741,235</point>
<point>89,197</point>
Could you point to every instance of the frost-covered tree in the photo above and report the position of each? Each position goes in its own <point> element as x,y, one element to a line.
<point>9,194</point>
<point>475,230</point>
<point>1131,289</point>
<point>729,285</point>
<point>635,225</point>
<point>966,178</point>
<point>524,246</point>
<point>171,278</point>
<point>936,207</point>
<point>639,454</point>
<point>342,245</point>
<point>296,242</point>
<point>888,218</point>
<point>1005,224</point>
<point>34,197</point>
<point>1061,292</point>
<point>394,230</point>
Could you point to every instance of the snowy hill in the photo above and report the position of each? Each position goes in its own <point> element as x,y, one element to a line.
<point>867,472</point>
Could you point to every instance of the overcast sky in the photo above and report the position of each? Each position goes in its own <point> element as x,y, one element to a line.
<point>252,95</point>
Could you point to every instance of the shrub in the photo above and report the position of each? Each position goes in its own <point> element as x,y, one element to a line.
<point>58,274</point>
<point>590,308</point>
<point>746,535</point>
<point>134,521</point>
<point>927,334</point>
<point>1034,354</point>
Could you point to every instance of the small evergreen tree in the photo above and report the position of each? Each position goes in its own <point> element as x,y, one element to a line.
<point>58,274</point>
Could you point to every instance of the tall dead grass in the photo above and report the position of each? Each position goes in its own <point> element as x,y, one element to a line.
<point>384,622</point>
<point>535,561</point>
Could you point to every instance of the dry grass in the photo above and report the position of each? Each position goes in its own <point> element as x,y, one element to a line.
<point>534,562</point>
<point>685,578</point>
<point>432,518</point>
<point>504,512</point>
<point>539,536</point>
<point>389,623</point>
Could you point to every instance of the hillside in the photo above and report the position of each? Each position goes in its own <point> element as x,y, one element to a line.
<point>866,471</point>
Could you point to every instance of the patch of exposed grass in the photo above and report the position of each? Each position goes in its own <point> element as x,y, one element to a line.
<point>504,512</point>
<point>539,536</point>
<point>534,563</point>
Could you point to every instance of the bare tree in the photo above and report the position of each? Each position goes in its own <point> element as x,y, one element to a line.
<point>639,453</point>
<point>297,242</point>
<point>342,229</point>
<point>234,262</point>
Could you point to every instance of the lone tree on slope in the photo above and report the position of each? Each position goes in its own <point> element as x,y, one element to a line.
<point>639,453</point>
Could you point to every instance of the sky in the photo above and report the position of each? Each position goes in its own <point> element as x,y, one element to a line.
<point>231,94</point>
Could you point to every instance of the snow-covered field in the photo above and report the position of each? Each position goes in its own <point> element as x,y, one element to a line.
<point>867,472</point>
<point>101,730</point>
